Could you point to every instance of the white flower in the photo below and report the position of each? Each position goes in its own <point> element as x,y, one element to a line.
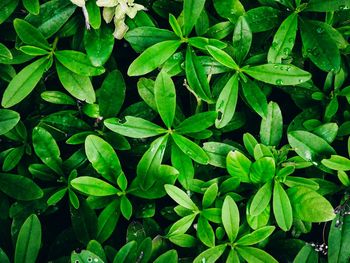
<point>80,3</point>
<point>119,9</point>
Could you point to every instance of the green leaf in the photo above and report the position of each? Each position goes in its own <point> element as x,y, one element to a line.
<point>175,26</point>
<point>278,74</point>
<point>5,52</point>
<point>107,221</point>
<point>33,6</point>
<point>183,240</point>
<point>282,208</point>
<point>28,241</point>
<point>53,15</point>
<point>99,45</point>
<point>56,197</point>
<point>210,255</point>
<point>78,63</point>
<point>57,97</point>
<point>222,57</point>
<point>261,199</point>
<point>182,225</point>
<point>217,153</point>
<point>153,57</point>
<point>192,11</point>
<point>8,120</point>
<point>191,149</point>
<point>328,6</point>
<point>230,9</point>
<point>169,257</point>
<point>134,127</point>
<point>165,97</point>
<point>205,232</point>
<point>306,254</point>
<point>242,39</point>
<point>337,162</point>
<point>6,9</point>
<point>23,83</point>
<point>339,240</point>
<point>180,197</point>
<point>196,76</point>
<point>197,122</point>
<point>262,18</point>
<point>78,86</point>
<point>29,34</point>
<point>126,252</point>
<point>263,170</point>
<point>126,207</point>
<point>255,255</point>
<point>210,195</point>
<point>230,218</point>
<point>93,186</point>
<point>94,14</point>
<point>47,149</point>
<point>309,146</point>
<point>309,206</point>
<point>319,46</point>
<point>271,129</point>
<point>284,39</point>
<point>238,165</point>
<point>149,165</point>
<point>103,158</point>
<point>255,97</point>
<point>19,187</point>
<point>256,236</point>
<point>85,256</point>
<point>183,163</point>
<point>227,101</point>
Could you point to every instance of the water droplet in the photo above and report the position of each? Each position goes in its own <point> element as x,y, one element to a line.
<point>301,81</point>
<point>342,7</point>
<point>319,30</point>
<point>286,51</point>
<point>309,50</point>
<point>279,82</point>
<point>288,68</point>
<point>274,45</point>
<point>96,259</point>
<point>77,261</point>
<point>275,66</point>
<point>315,52</point>
<point>89,259</point>
<point>291,39</point>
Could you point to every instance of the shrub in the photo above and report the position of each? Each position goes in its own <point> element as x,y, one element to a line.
<point>168,130</point>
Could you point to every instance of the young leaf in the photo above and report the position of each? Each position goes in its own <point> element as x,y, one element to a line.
<point>230,218</point>
<point>169,257</point>
<point>309,206</point>
<point>242,39</point>
<point>197,123</point>
<point>175,26</point>
<point>255,97</point>
<point>330,5</point>
<point>134,127</point>
<point>307,253</point>
<point>252,254</point>
<point>284,39</point>
<point>192,10</point>
<point>107,221</point>
<point>183,163</point>
<point>282,208</point>
<point>6,9</point>
<point>196,76</point>
<point>238,165</point>
<point>153,57</point>
<point>339,240</point>
<point>99,44</point>
<point>230,9</point>
<point>5,52</point>
<point>262,170</point>
<point>337,162</point>
<point>227,101</point>
<point>205,232</point>
<point>29,34</point>
<point>210,195</point>
<point>222,57</point>
<point>271,128</point>
<point>261,199</point>
<point>103,158</point>
<point>195,152</point>
<point>78,86</point>
<point>23,83</point>
<point>8,120</point>
<point>28,241</point>
<point>278,74</point>
<point>125,207</point>
<point>256,237</point>
<point>19,187</point>
<point>165,97</point>
<point>180,197</point>
<point>93,186</point>
<point>33,6</point>
<point>210,255</point>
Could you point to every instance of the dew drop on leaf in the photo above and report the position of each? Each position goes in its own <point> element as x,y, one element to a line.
<point>279,82</point>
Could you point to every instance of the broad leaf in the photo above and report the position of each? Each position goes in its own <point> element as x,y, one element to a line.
<point>230,218</point>
<point>271,128</point>
<point>282,208</point>
<point>8,120</point>
<point>93,186</point>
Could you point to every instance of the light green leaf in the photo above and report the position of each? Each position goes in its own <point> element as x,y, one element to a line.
<point>284,39</point>
<point>93,186</point>
<point>197,122</point>
<point>180,197</point>
<point>210,255</point>
<point>28,241</point>
<point>238,165</point>
<point>5,52</point>
<point>23,83</point>
<point>103,158</point>
<point>242,39</point>
<point>8,120</point>
<point>261,199</point>
<point>230,218</point>
<point>262,170</point>
<point>255,255</point>
<point>309,206</point>
<point>192,10</point>
<point>282,208</point>
<point>271,129</point>
<point>78,86</point>
<point>191,149</point>
<point>256,237</point>
<point>29,34</point>
<point>165,97</point>
<point>222,57</point>
<point>339,240</point>
<point>255,97</point>
<point>134,127</point>
<point>153,57</point>
<point>337,162</point>
<point>278,74</point>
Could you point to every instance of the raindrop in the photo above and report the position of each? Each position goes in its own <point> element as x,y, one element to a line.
<point>301,81</point>
<point>89,259</point>
<point>77,261</point>
<point>286,51</point>
<point>275,66</point>
<point>288,68</point>
<point>274,45</point>
<point>291,40</point>
<point>320,30</point>
<point>96,259</point>
<point>279,82</point>
<point>342,7</point>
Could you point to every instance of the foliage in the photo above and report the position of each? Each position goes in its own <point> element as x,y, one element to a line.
<point>199,131</point>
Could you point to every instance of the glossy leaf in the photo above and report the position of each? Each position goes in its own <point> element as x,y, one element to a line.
<point>93,186</point>
<point>230,218</point>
